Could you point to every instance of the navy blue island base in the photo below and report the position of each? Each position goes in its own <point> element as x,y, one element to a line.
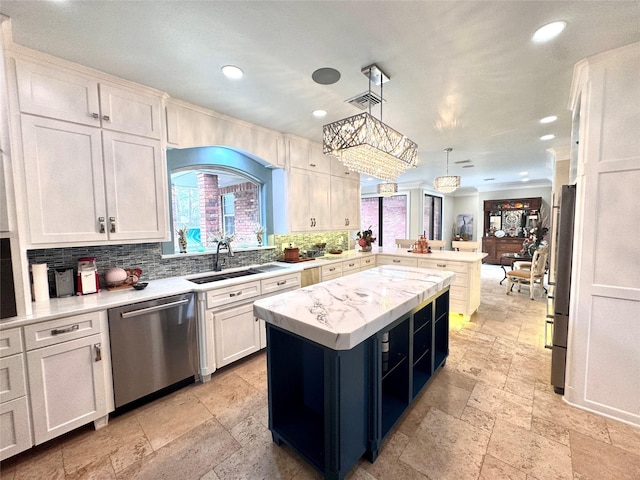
<point>335,406</point>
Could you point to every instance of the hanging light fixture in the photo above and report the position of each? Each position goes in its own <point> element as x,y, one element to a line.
<point>366,145</point>
<point>387,189</point>
<point>447,183</point>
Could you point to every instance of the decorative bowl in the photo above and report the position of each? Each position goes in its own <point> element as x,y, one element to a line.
<point>140,285</point>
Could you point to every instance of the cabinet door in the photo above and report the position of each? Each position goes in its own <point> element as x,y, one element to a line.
<point>299,201</point>
<point>345,203</point>
<point>320,191</point>
<point>237,334</point>
<point>135,182</point>
<point>15,428</point>
<point>56,93</point>
<point>65,187</point>
<point>129,111</point>
<point>67,386</point>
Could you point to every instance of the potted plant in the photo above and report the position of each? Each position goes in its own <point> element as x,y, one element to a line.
<point>259,231</point>
<point>182,238</point>
<point>365,239</point>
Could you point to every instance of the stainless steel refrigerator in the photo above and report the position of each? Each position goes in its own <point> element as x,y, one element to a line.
<point>564,252</point>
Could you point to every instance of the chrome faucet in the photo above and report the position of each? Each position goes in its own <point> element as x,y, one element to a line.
<point>222,243</point>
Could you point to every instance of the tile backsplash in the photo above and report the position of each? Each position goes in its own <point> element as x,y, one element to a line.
<point>148,256</point>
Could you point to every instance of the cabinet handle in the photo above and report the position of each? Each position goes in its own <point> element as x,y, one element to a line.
<point>94,115</point>
<point>311,220</point>
<point>101,223</point>
<point>98,349</point>
<point>281,282</point>
<point>112,220</point>
<point>332,269</point>
<point>312,165</point>
<point>235,294</point>
<point>395,260</point>
<point>106,118</point>
<point>58,331</point>
<point>351,264</point>
<point>443,265</point>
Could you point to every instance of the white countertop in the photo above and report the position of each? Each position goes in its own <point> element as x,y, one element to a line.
<point>341,313</point>
<point>61,307</point>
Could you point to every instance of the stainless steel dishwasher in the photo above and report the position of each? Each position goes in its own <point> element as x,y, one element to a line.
<point>153,346</point>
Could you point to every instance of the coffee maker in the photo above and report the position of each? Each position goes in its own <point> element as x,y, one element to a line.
<point>87,279</point>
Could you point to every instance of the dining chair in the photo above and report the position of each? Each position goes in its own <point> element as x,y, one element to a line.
<point>462,246</point>
<point>532,276</point>
<point>437,244</point>
<point>404,242</point>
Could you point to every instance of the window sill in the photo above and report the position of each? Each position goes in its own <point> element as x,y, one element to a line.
<point>213,252</point>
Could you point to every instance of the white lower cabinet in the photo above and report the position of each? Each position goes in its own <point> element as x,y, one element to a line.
<point>67,374</point>
<point>367,262</point>
<point>331,271</point>
<point>66,382</point>
<point>228,330</point>
<point>393,260</point>
<point>237,334</point>
<point>464,297</point>
<point>15,426</point>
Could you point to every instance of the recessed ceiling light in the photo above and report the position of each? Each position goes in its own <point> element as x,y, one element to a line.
<point>233,72</point>
<point>319,113</point>
<point>524,173</point>
<point>547,137</point>
<point>548,31</point>
<point>549,119</point>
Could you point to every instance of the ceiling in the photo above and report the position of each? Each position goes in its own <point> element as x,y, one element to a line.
<point>463,74</point>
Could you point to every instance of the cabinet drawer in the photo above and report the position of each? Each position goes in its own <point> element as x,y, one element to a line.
<point>232,294</point>
<point>12,380</point>
<point>61,330</point>
<point>10,342</point>
<point>351,266</point>
<point>334,270</point>
<point>282,282</point>
<point>392,260</point>
<point>368,262</point>
<point>457,267</point>
<point>15,427</point>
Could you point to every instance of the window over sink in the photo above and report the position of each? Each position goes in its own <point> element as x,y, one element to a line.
<point>216,192</point>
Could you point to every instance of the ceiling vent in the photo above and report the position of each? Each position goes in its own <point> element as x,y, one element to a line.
<point>365,100</point>
<point>462,161</point>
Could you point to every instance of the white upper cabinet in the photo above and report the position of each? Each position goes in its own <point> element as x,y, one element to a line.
<point>307,156</point>
<point>93,163</point>
<point>68,95</point>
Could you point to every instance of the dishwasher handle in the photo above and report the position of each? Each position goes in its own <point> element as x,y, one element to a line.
<point>144,311</point>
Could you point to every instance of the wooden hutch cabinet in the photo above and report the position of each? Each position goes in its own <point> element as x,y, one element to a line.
<point>504,221</point>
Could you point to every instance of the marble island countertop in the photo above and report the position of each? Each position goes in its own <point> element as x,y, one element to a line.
<point>341,313</point>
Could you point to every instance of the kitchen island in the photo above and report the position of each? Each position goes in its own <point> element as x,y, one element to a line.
<point>345,359</point>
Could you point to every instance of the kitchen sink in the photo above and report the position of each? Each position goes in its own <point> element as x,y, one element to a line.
<point>224,276</point>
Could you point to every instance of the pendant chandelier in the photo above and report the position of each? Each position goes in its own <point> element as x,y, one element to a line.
<point>447,183</point>
<point>366,145</point>
<point>387,189</point>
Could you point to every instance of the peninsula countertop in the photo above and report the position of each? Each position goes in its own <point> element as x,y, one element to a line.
<point>341,313</point>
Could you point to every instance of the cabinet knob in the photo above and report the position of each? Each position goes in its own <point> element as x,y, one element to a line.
<point>106,118</point>
<point>101,225</point>
<point>112,221</point>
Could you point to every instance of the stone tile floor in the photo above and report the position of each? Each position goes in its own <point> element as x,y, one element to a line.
<point>489,414</point>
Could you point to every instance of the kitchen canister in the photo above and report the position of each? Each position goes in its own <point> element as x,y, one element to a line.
<point>40,282</point>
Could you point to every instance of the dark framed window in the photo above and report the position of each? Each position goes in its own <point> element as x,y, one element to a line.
<point>432,217</point>
<point>387,217</point>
